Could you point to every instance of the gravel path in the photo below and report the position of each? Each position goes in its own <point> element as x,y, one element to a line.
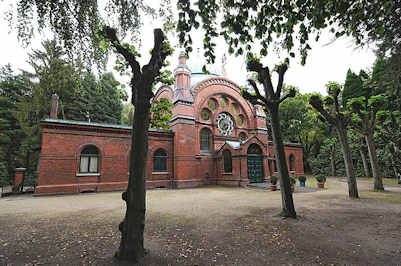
<point>204,226</point>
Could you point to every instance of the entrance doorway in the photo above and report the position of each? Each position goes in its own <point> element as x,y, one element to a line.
<point>255,164</point>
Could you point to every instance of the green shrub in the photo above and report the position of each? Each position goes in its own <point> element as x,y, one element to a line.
<point>321,178</point>
<point>292,180</point>
<point>302,178</point>
<point>273,180</point>
<point>4,180</point>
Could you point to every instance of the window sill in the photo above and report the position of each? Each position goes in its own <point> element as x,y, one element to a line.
<point>227,173</point>
<point>88,174</point>
<point>159,173</point>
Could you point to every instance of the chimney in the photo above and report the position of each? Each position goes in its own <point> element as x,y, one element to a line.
<point>54,107</point>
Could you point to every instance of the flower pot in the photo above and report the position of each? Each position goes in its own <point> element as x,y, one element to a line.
<point>273,187</point>
<point>320,185</point>
<point>302,183</point>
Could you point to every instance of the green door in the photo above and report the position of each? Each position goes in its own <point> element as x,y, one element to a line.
<point>255,168</point>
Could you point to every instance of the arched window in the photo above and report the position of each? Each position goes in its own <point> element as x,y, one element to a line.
<point>88,161</point>
<point>160,161</point>
<point>205,142</point>
<point>227,162</point>
<point>255,149</point>
<point>291,160</point>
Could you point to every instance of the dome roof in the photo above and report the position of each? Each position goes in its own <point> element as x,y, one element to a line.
<point>195,64</point>
<point>199,77</point>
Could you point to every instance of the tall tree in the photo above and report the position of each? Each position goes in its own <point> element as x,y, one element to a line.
<point>12,90</point>
<point>52,74</point>
<point>98,100</point>
<point>271,102</point>
<point>363,102</point>
<point>77,24</point>
<point>142,81</point>
<point>249,26</point>
<point>332,111</point>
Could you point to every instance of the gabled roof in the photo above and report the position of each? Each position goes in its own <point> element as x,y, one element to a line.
<point>235,145</point>
<point>254,136</point>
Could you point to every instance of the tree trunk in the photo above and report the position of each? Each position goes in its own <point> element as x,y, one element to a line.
<point>132,227</point>
<point>365,162</point>
<point>378,185</point>
<point>288,209</point>
<point>349,167</point>
<point>333,161</point>
<point>394,167</point>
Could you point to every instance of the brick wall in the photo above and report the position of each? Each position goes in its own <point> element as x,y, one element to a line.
<point>62,144</point>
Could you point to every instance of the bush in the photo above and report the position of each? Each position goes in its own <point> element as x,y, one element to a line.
<point>273,180</point>
<point>321,178</point>
<point>4,179</point>
<point>292,180</point>
<point>302,178</point>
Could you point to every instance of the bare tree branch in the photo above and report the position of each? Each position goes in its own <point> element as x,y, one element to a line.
<point>318,105</point>
<point>264,74</point>
<point>290,94</point>
<point>256,89</point>
<point>281,71</point>
<point>158,55</point>
<point>111,35</point>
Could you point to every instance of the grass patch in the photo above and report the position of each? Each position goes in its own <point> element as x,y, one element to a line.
<point>386,196</point>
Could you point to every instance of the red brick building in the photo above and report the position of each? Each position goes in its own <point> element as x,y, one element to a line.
<point>216,137</point>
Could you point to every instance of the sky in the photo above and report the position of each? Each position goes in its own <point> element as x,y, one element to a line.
<point>327,61</point>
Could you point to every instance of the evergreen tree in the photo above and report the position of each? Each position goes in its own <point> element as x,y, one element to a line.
<point>12,89</point>
<point>127,114</point>
<point>109,99</point>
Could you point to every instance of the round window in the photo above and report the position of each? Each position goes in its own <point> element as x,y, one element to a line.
<point>225,124</point>
<point>212,103</point>
<point>242,136</point>
<point>205,114</point>
<point>240,120</point>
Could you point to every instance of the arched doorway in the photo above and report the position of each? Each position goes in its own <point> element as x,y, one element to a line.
<point>255,164</point>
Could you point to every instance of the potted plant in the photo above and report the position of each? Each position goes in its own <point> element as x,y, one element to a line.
<point>273,183</point>
<point>302,180</point>
<point>292,182</point>
<point>321,179</point>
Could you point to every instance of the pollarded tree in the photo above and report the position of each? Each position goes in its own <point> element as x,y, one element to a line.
<point>332,111</point>
<point>249,26</point>
<point>362,109</point>
<point>142,81</point>
<point>77,24</point>
<point>271,102</point>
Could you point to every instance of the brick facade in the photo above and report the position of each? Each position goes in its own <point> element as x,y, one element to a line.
<point>197,107</point>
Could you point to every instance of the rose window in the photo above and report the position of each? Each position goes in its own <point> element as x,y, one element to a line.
<point>224,124</point>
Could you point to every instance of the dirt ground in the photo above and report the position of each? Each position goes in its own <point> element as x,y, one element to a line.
<point>206,226</point>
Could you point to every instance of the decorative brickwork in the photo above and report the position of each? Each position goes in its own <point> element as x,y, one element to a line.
<point>196,107</point>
